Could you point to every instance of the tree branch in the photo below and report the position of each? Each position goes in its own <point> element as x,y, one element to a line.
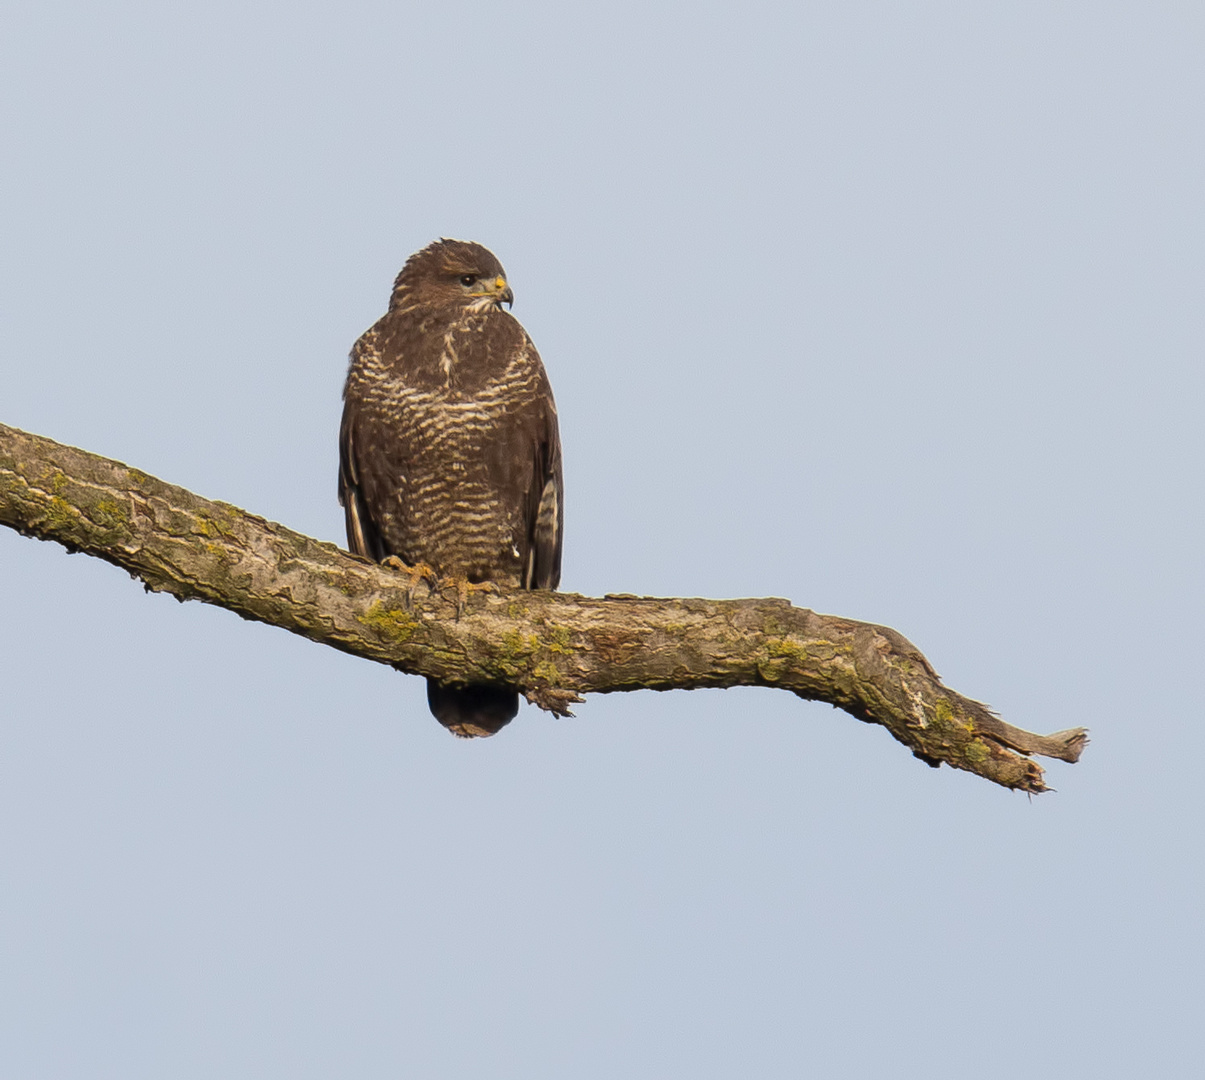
<point>552,646</point>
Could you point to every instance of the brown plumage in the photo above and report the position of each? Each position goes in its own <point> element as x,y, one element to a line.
<point>449,453</point>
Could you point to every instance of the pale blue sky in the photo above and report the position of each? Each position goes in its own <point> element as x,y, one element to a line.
<point>893,309</point>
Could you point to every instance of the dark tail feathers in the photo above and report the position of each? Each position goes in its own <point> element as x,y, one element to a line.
<point>471,711</point>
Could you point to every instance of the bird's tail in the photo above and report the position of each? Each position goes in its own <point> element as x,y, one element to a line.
<point>472,711</point>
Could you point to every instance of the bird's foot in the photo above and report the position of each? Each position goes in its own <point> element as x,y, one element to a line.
<point>417,575</point>
<point>464,588</point>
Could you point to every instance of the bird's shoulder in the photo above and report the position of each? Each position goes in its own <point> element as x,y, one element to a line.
<point>426,349</point>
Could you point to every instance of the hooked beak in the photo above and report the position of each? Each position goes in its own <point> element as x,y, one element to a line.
<point>498,291</point>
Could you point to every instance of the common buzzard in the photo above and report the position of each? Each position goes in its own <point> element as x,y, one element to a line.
<point>449,454</point>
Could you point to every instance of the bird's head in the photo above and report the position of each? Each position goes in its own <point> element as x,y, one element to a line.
<point>452,273</point>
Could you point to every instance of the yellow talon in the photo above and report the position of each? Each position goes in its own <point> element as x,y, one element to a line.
<point>415,576</point>
<point>464,587</point>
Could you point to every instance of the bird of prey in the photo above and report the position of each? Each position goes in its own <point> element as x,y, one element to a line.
<point>449,454</point>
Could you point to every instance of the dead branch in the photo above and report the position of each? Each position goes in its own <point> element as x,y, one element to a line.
<point>553,646</point>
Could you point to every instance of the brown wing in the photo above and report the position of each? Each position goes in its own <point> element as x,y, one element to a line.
<point>545,510</point>
<point>362,445</point>
<point>363,537</point>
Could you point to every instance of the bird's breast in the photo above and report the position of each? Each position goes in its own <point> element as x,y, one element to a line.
<point>463,460</point>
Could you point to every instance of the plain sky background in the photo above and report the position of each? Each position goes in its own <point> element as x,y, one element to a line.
<point>893,309</point>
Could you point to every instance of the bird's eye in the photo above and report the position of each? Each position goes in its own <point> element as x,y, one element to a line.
<point>468,279</point>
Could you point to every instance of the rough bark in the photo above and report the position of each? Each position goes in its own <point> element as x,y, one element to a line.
<point>552,646</point>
